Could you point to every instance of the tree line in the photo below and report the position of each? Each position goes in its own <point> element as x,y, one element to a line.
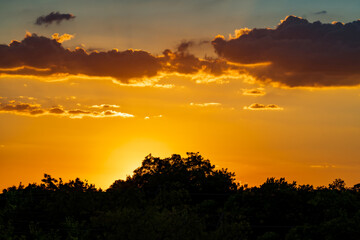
<point>181,198</point>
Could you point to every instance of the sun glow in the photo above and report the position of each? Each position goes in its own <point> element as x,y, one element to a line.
<point>124,159</point>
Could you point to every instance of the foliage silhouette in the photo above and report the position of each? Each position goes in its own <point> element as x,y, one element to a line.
<point>179,198</point>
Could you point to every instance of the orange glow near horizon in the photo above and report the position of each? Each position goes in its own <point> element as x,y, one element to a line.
<point>95,112</point>
<point>253,144</point>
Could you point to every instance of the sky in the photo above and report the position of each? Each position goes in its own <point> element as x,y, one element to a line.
<point>264,88</point>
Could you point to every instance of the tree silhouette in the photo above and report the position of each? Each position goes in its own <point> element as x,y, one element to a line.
<point>193,173</point>
<point>179,198</point>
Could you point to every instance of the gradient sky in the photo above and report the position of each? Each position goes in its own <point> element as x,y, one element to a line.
<point>280,98</point>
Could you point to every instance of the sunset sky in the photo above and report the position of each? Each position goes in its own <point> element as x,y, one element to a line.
<point>264,88</point>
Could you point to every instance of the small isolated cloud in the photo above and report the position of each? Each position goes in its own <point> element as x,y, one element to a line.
<point>28,109</point>
<point>258,106</point>
<point>323,166</point>
<point>150,117</point>
<point>254,92</point>
<point>62,38</point>
<point>210,104</point>
<point>105,106</point>
<point>320,12</point>
<point>53,17</point>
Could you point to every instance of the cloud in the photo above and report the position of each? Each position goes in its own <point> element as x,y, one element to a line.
<point>299,53</point>
<point>321,12</point>
<point>53,17</point>
<point>105,106</point>
<point>57,110</point>
<point>184,46</point>
<point>151,117</point>
<point>254,92</point>
<point>323,166</point>
<point>28,109</point>
<point>258,106</point>
<point>28,98</point>
<point>62,38</point>
<point>184,63</point>
<point>20,107</point>
<point>41,57</point>
<point>205,104</point>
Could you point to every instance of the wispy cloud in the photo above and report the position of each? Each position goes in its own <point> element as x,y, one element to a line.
<point>105,106</point>
<point>320,12</point>
<point>258,106</point>
<point>323,166</point>
<point>209,104</point>
<point>151,117</point>
<point>30,109</point>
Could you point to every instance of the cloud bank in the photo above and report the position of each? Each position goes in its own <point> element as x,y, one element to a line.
<point>53,17</point>
<point>296,53</point>
<point>44,57</point>
<point>300,53</point>
<point>41,56</point>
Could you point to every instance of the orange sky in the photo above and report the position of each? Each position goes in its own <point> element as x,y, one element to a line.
<point>275,106</point>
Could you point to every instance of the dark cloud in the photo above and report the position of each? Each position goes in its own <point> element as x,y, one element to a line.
<point>321,12</point>
<point>184,46</point>
<point>185,63</point>
<point>300,53</point>
<point>41,56</point>
<point>53,17</point>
